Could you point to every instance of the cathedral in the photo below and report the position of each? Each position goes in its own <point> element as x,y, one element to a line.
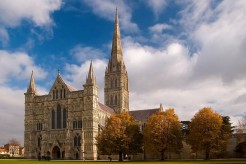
<point>64,123</point>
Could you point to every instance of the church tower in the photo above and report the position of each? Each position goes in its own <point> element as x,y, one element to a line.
<point>116,93</point>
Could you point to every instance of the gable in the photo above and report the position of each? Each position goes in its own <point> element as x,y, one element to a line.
<point>60,88</point>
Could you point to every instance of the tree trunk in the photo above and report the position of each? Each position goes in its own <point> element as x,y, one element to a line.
<point>207,152</point>
<point>162,155</point>
<point>120,156</point>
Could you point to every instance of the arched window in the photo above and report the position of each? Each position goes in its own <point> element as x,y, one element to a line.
<point>61,94</point>
<point>79,141</point>
<point>115,83</point>
<point>39,141</point>
<point>111,100</point>
<point>64,118</point>
<point>39,126</point>
<point>80,124</point>
<point>112,83</point>
<point>64,93</point>
<point>115,100</point>
<point>75,124</point>
<point>54,94</point>
<point>53,117</point>
<point>58,117</point>
<point>75,141</point>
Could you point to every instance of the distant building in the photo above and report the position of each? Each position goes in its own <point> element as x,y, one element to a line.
<point>12,149</point>
<point>3,150</point>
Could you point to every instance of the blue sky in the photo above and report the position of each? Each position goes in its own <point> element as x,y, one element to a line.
<point>184,54</point>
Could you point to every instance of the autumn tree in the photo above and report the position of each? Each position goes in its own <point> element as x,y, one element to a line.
<point>162,133</point>
<point>120,136</point>
<point>205,130</point>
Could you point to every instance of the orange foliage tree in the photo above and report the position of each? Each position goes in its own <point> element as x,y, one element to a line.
<point>120,136</point>
<point>205,130</point>
<point>162,133</point>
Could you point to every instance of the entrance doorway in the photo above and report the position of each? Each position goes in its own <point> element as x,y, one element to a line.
<point>77,156</point>
<point>56,154</point>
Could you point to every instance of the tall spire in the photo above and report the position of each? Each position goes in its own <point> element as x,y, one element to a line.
<point>116,94</point>
<point>116,53</point>
<point>32,87</point>
<point>91,78</point>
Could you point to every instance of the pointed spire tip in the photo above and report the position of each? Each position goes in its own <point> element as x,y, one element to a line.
<point>91,78</point>
<point>32,87</point>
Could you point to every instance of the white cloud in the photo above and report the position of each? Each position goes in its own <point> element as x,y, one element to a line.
<point>157,6</point>
<point>13,12</point>
<point>83,53</point>
<point>15,66</point>
<point>217,29</point>
<point>12,113</point>
<point>18,65</point>
<point>159,28</point>
<point>106,9</point>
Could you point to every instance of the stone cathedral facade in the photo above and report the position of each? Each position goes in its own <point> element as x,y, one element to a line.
<point>64,123</point>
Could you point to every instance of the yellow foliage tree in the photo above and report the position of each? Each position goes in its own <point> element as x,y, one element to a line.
<point>162,133</point>
<point>205,130</point>
<point>120,136</point>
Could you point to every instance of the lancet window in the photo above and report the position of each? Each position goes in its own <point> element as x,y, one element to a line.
<point>58,118</point>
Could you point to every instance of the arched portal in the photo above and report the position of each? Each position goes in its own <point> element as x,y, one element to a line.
<point>56,154</point>
<point>77,155</point>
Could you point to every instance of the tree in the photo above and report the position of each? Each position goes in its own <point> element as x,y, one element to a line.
<point>241,149</point>
<point>241,128</point>
<point>163,133</point>
<point>14,141</point>
<point>120,136</point>
<point>205,130</point>
<point>225,133</point>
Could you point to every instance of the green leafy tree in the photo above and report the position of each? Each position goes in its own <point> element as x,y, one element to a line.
<point>225,133</point>
<point>205,131</point>
<point>120,136</point>
<point>162,133</point>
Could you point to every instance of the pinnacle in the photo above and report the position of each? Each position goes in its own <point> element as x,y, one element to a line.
<point>91,78</point>
<point>32,87</point>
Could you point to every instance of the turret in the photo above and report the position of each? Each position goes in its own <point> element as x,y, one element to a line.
<point>90,90</point>
<point>90,112</point>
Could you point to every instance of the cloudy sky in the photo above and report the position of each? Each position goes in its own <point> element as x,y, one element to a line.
<point>185,54</point>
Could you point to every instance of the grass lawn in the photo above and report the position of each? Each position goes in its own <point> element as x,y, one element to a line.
<point>99,162</point>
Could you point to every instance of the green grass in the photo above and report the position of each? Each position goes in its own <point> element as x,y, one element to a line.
<point>99,162</point>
